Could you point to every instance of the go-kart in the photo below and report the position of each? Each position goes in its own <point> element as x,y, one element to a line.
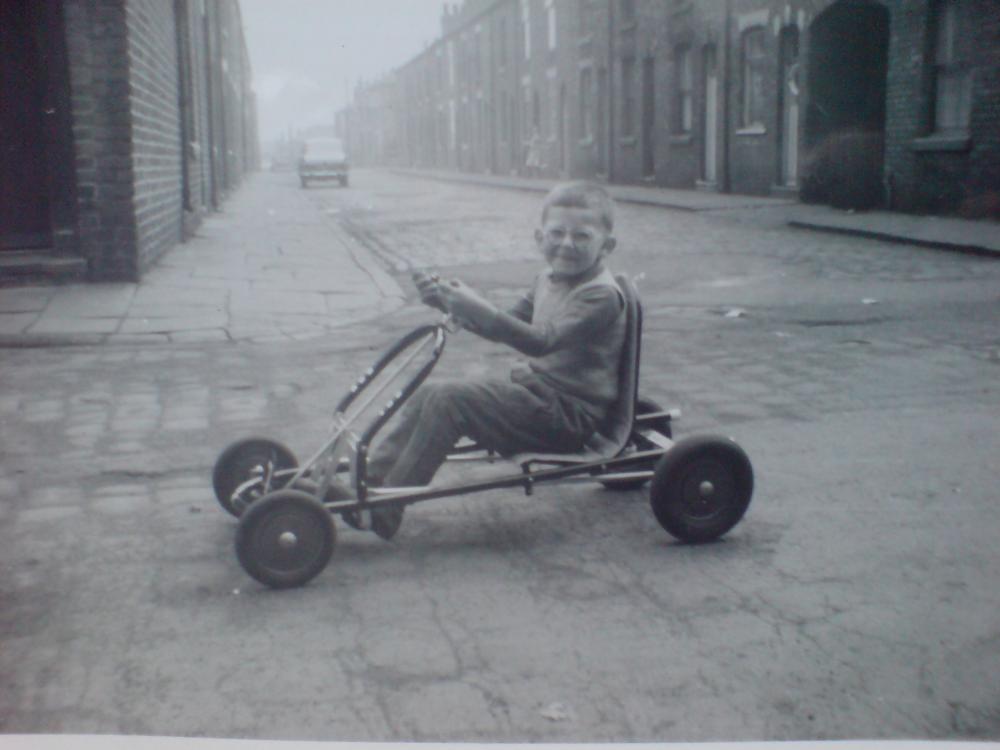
<point>700,487</point>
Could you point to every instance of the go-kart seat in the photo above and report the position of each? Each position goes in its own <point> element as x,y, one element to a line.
<point>612,437</point>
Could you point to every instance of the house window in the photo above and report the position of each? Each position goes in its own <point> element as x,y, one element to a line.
<point>526,25</point>
<point>586,103</point>
<point>550,22</point>
<point>477,56</point>
<point>586,14</point>
<point>683,90</point>
<point>628,96</point>
<point>752,110</point>
<point>952,74</point>
<point>526,120</point>
<point>504,122</point>
<point>502,45</point>
<point>627,11</point>
<point>451,63</point>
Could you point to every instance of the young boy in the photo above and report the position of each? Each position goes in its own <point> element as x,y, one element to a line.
<point>571,326</point>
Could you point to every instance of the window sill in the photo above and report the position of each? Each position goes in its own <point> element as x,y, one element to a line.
<point>942,143</point>
<point>628,140</point>
<point>681,139</point>
<point>756,129</point>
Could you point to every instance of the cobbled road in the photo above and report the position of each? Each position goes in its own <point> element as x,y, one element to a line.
<point>857,599</point>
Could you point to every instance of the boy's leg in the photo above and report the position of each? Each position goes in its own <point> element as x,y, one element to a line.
<point>389,445</point>
<point>500,415</point>
<point>387,520</point>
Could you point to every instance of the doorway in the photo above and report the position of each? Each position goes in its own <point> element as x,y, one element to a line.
<point>25,199</point>
<point>601,133</point>
<point>562,131</point>
<point>848,58</point>
<point>788,107</point>
<point>710,121</point>
<point>648,117</point>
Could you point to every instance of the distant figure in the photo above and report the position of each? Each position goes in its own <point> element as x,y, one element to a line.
<point>533,157</point>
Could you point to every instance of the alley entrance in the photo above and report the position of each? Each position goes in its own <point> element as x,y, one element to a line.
<point>847,62</point>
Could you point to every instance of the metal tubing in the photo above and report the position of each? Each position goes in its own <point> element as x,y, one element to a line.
<point>409,495</point>
<point>384,360</point>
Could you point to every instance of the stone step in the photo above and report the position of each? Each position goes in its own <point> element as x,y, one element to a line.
<point>23,267</point>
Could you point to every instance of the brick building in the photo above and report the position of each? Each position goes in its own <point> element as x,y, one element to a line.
<point>124,121</point>
<point>767,97</point>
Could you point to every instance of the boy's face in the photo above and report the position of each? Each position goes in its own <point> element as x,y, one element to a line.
<point>573,241</point>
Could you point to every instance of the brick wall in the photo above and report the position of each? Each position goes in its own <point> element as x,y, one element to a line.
<point>97,51</point>
<point>163,123</point>
<point>942,177</point>
<point>983,180</point>
<point>156,141</point>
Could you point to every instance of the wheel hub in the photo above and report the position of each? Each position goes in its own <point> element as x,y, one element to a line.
<point>287,540</point>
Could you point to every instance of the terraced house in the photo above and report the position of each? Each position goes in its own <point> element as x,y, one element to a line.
<point>891,103</point>
<point>123,122</point>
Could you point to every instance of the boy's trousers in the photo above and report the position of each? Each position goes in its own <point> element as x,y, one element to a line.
<point>507,417</point>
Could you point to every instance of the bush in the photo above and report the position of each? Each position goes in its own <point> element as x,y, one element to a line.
<point>845,170</point>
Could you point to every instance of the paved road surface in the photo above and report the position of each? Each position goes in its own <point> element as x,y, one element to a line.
<point>857,599</point>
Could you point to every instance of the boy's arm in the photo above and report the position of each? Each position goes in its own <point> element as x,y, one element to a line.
<point>590,314</point>
<point>432,294</point>
<point>524,308</point>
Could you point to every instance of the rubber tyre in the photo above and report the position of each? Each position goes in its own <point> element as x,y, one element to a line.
<point>285,539</point>
<point>643,406</point>
<point>235,463</point>
<point>677,493</point>
<point>304,181</point>
<point>344,181</point>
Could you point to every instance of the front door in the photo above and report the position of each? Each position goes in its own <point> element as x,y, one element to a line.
<point>709,171</point>
<point>648,118</point>
<point>24,169</point>
<point>788,170</point>
<point>602,126</point>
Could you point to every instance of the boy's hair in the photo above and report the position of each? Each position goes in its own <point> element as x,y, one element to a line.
<point>581,194</point>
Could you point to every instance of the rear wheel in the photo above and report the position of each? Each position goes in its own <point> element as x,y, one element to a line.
<point>701,488</point>
<point>250,458</point>
<point>285,539</point>
<point>661,425</point>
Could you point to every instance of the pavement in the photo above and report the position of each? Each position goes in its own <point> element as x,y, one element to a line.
<point>270,267</point>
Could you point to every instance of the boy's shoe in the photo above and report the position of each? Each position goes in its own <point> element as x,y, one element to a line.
<point>339,490</point>
<point>353,519</point>
<point>387,520</point>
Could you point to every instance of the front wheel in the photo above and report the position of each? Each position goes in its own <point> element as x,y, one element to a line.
<point>285,539</point>
<point>701,488</point>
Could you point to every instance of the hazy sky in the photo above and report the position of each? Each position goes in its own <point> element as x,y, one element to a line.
<point>307,54</point>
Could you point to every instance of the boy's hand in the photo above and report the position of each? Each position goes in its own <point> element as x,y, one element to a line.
<point>430,290</point>
<point>467,305</point>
